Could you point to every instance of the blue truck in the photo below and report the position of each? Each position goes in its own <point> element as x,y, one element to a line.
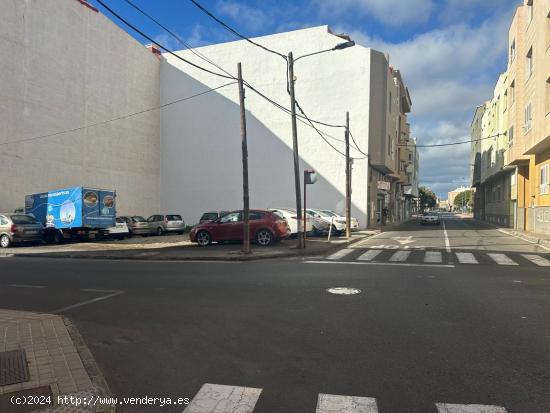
<point>73,213</point>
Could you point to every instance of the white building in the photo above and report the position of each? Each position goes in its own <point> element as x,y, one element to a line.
<point>201,143</point>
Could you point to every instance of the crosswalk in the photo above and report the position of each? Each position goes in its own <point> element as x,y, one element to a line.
<point>410,256</point>
<point>217,398</point>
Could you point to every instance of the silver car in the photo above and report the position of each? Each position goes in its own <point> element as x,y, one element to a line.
<point>161,224</point>
<point>16,228</point>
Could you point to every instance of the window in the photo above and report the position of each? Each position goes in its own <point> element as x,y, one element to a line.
<point>544,177</point>
<point>510,136</point>
<point>512,92</point>
<point>232,217</point>
<point>255,216</point>
<point>513,51</point>
<point>390,146</point>
<point>505,101</point>
<point>499,193</point>
<point>529,63</point>
<point>529,11</point>
<point>528,118</point>
<point>3,221</point>
<point>489,157</point>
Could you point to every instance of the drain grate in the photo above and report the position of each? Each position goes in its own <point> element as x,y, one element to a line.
<point>13,367</point>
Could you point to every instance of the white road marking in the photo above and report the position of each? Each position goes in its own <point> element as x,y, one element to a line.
<point>501,259</point>
<point>537,259</point>
<point>403,264</point>
<point>403,240</point>
<point>447,243</point>
<point>433,257</point>
<point>331,403</point>
<point>468,408</point>
<point>400,256</point>
<point>113,293</point>
<point>466,258</point>
<point>369,255</point>
<point>26,286</point>
<point>340,254</point>
<point>6,255</point>
<point>215,398</point>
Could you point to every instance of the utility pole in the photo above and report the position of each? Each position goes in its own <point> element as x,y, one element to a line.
<point>348,181</point>
<point>246,199</point>
<point>300,234</point>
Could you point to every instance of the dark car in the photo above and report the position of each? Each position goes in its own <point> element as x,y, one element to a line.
<point>212,216</point>
<point>16,228</point>
<point>265,228</point>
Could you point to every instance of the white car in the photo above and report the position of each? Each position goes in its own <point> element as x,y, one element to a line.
<point>120,230</point>
<point>354,223</point>
<point>292,220</point>
<point>338,225</point>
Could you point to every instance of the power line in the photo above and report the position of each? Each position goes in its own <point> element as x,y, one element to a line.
<point>356,145</point>
<point>117,118</point>
<point>457,143</point>
<point>160,45</point>
<point>236,33</point>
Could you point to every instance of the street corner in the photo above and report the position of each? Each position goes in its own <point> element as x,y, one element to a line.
<point>46,366</point>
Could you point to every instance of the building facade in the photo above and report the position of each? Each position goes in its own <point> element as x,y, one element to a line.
<point>512,170</point>
<point>66,66</point>
<point>201,143</point>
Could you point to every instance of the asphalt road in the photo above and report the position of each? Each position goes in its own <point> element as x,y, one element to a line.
<point>419,333</point>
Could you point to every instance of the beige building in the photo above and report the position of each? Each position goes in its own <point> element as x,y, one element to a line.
<point>512,171</point>
<point>453,194</point>
<point>65,66</point>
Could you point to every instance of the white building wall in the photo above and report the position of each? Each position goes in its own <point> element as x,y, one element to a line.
<point>65,66</point>
<point>200,138</point>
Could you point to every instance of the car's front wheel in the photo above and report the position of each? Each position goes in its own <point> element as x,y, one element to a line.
<point>203,238</point>
<point>5,241</point>
<point>264,237</point>
<point>159,231</point>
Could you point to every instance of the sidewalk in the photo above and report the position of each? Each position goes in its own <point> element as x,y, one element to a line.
<point>57,364</point>
<point>190,251</point>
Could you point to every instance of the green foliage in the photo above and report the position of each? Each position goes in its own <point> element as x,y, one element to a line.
<point>427,197</point>
<point>463,199</point>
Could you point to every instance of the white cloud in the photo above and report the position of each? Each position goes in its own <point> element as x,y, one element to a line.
<point>251,18</point>
<point>389,12</point>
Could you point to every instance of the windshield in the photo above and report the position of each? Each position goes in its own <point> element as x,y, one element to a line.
<point>138,219</point>
<point>173,217</point>
<point>330,213</point>
<point>23,219</point>
<point>209,216</point>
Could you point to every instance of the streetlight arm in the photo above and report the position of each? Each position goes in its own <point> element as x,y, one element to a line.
<point>339,46</point>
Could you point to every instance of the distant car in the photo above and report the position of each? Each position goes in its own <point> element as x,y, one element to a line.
<point>120,230</point>
<point>430,218</point>
<point>15,228</point>
<point>212,216</point>
<point>266,227</point>
<point>137,225</point>
<point>354,223</point>
<point>292,220</point>
<point>338,226</point>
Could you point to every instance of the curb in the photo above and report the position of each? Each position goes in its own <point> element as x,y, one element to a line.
<point>93,370</point>
<point>291,252</point>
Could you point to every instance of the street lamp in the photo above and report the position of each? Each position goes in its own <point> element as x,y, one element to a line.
<point>290,88</point>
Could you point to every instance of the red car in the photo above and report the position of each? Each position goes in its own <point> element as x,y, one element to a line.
<point>265,228</point>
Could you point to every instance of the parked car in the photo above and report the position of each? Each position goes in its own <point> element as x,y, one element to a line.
<point>161,224</point>
<point>265,228</point>
<point>430,218</point>
<point>337,227</point>
<point>137,225</point>
<point>174,223</point>
<point>15,228</point>
<point>292,219</point>
<point>354,223</point>
<point>212,216</point>
<point>120,230</point>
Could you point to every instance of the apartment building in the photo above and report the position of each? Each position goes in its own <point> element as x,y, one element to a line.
<point>201,160</point>
<point>512,170</point>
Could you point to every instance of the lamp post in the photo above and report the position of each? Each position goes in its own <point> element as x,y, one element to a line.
<point>290,89</point>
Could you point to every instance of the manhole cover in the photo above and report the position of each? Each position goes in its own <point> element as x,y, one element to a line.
<point>13,367</point>
<point>343,290</point>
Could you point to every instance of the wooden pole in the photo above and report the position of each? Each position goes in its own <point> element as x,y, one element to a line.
<point>246,199</point>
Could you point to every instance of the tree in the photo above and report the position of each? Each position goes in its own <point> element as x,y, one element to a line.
<point>463,199</point>
<point>427,197</point>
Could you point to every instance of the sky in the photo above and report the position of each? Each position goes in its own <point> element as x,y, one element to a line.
<point>450,53</point>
